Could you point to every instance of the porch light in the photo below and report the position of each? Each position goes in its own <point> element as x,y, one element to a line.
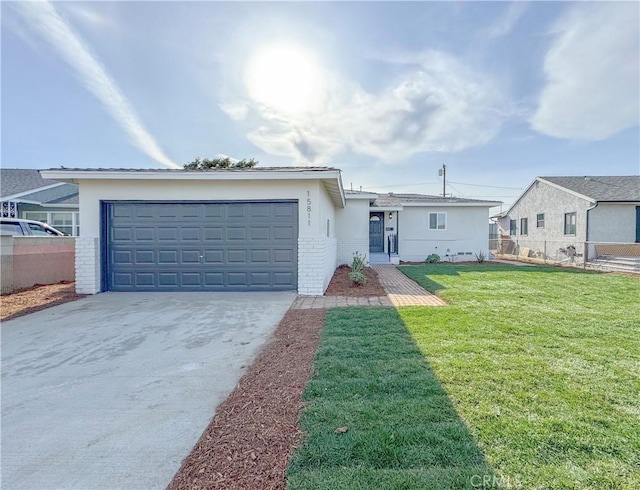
<point>390,215</point>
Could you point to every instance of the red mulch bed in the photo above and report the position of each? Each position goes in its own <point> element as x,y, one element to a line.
<point>249,441</point>
<point>341,285</point>
<point>36,298</point>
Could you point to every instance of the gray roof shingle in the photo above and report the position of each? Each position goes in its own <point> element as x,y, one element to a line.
<point>601,188</point>
<point>15,181</point>
<point>21,181</point>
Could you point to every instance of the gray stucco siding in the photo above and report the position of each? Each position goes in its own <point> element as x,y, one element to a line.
<point>554,203</point>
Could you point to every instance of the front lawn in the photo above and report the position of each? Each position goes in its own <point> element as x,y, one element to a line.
<point>530,378</point>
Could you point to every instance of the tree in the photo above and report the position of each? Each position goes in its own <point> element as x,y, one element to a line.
<point>207,163</point>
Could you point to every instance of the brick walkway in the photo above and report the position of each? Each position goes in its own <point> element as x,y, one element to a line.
<point>308,302</point>
<point>401,291</point>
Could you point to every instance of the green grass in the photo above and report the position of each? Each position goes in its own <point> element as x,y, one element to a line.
<point>531,375</point>
<point>543,364</point>
<point>403,431</point>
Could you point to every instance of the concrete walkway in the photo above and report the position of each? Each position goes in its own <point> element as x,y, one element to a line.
<point>401,291</point>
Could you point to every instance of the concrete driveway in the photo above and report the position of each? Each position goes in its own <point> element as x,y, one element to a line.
<point>113,391</point>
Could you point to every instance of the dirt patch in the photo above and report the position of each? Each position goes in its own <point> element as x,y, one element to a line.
<point>249,441</point>
<point>341,285</point>
<point>36,298</point>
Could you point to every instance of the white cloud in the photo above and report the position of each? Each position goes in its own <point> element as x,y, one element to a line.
<point>504,24</point>
<point>43,18</point>
<point>437,105</point>
<point>592,73</point>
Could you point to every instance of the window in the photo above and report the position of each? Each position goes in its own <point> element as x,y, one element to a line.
<point>540,220</point>
<point>13,228</point>
<point>524,226</point>
<point>570,223</point>
<point>67,222</point>
<point>512,227</point>
<point>437,221</point>
<point>63,222</point>
<point>39,230</point>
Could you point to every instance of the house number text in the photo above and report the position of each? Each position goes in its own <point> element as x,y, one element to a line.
<point>309,208</point>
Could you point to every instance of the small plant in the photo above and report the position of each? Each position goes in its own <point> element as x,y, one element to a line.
<point>432,259</point>
<point>358,262</point>
<point>357,269</point>
<point>480,257</point>
<point>357,277</point>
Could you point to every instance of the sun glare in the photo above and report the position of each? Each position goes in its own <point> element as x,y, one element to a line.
<point>284,77</point>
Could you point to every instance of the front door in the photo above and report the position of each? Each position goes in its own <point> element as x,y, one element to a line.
<point>376,232</point>
<point>637,224</point>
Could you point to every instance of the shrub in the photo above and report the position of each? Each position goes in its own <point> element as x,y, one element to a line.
<point>358,263</point>
<point>358,277</point>
<point>432,259</point>
<point>480,257</point>
<point>357,269</point>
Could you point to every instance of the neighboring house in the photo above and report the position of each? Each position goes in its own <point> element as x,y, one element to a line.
<point>24,193</point>
<point>555,217</point>
<point>279,228</point>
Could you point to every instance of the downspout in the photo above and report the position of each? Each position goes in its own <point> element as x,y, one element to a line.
<point>586,244</point>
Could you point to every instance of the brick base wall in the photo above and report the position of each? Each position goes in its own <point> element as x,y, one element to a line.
<point>316,264</point>
<point>87,265</point>
<point>347,247</point>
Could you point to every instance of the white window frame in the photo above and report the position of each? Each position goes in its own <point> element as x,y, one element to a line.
<point>437,228</point>
<point>574,225</point>
<point>540,222</point>
<point>75,218</point>
<point>524,226</point>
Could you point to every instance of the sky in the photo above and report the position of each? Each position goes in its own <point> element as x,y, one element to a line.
<point>388,92</point>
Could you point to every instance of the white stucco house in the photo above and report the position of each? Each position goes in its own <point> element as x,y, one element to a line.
<point>585,216</point>
<point>269,228</point>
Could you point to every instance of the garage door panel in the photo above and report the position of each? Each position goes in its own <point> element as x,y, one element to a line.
<point>190,278</point>
<point>167,234</point>
<point>144,212</point>
<point>145,257</point>
<point>145,278</point>
<point>144,234</point>
<point>122,257</point>
<point>259,233</point>
<point>213,234</point>
<point>283,257</point>
<point>168,279</point>
<point>213,257</point>
<point>190,233</point>
<point>168,257</point>
<point>237,211</point>
<point>201,246</point>
<point>283,232</point>
<point>214,279</point>
<point>121,234</point>
<point>260,256</point>
<point>283,279</point>
<point>236,233</point>
<point>260,278</point>
<point>190,257</point>
<point>237,257</point>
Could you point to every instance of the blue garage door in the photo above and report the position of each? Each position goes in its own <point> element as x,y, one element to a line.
<point>201,246</point>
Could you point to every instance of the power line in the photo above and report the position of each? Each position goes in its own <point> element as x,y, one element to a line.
<point>449,182</point>
<point>482,185</point>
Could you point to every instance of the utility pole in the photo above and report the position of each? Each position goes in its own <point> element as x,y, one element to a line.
<point>443,173</point>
